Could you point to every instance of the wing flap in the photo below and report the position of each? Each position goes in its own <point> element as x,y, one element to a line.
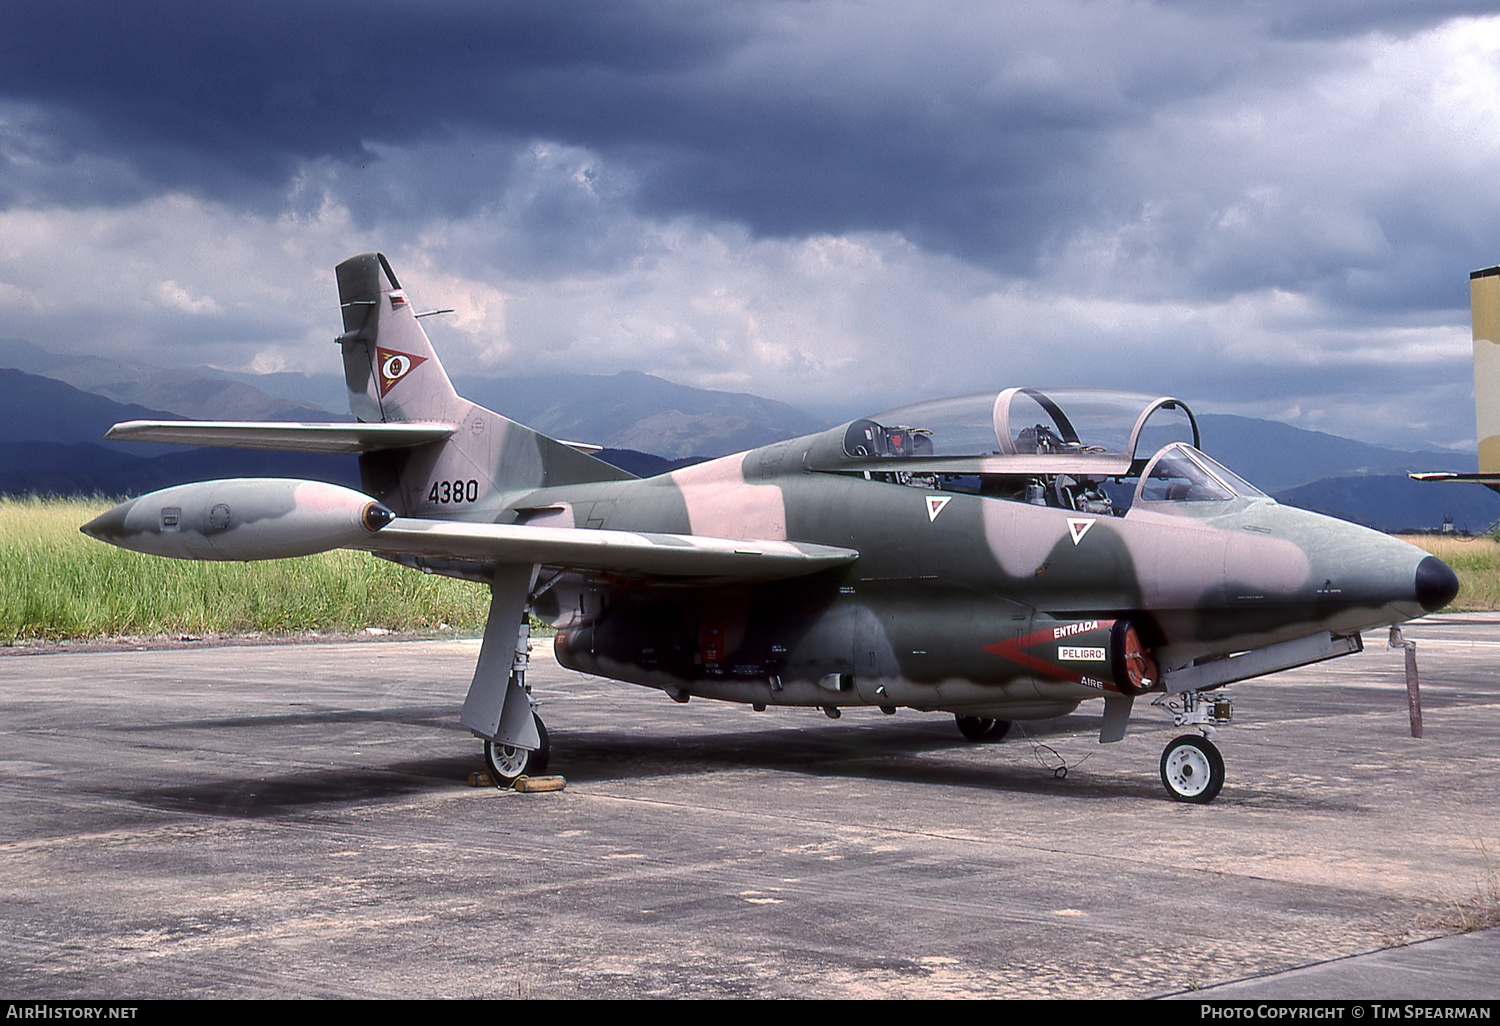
<point>621,552</point>
<point>326,439</point>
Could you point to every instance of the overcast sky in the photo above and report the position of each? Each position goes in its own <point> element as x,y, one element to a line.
<point>1266,206</point>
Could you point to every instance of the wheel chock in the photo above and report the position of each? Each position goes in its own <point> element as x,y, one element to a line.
<point>526,785</point>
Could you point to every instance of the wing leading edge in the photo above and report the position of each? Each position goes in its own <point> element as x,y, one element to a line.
<point>326,439</point>
<point>626,553</point>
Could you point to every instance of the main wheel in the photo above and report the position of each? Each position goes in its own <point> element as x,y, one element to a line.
<point>980,728</point>
<point>507,762</point>
<point>1192,770</point>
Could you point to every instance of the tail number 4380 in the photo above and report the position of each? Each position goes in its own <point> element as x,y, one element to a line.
<point>453,491</point>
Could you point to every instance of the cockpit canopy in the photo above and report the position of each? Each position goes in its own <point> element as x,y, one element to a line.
<point>1073,447</point>
<point>1027,421</point>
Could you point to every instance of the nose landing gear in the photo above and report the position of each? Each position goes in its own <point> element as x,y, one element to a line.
<point>1192,770</point>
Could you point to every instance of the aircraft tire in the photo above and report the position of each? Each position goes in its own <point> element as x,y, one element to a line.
<point>980,728</point>
<point>1192,770</point>
<point>507,763</point>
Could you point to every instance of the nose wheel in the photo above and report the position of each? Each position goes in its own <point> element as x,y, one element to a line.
<point>507,762</point>
<point>1192,770</point>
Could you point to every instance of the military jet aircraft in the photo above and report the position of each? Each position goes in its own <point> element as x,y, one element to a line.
<point>998,557</point>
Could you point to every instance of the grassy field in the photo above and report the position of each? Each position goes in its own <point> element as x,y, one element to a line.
<point>56,583</point>
<point>1477,563</point>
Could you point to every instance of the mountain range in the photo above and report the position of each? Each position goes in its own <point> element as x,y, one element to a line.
<point>52,424</point>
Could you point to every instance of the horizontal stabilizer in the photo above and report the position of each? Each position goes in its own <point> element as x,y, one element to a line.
<point>619,552</point>
<point>326,439</point>
<point>1442,475</point>
<point>1490,481</point>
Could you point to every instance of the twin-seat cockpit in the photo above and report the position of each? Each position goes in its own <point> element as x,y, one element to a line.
<point>1090,450</point>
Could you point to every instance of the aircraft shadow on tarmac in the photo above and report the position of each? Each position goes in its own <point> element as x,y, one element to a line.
<point>288,794</point>
<point>443,717</point>
<point>909,753</point>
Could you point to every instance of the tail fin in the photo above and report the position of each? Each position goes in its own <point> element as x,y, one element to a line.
<point>1484,299</point>
<point>394,375</point>
<point>384,343</point>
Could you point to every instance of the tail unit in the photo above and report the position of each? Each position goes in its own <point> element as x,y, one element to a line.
<point>393,375</point>
<point>1484,306</point>
<point>1484,300</point>
<point>384,345</point>
<point>425,451</point>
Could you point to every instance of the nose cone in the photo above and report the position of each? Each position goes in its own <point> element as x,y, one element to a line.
<point>109,526</point>
<point>377,516</point>
<point>1436,584</point>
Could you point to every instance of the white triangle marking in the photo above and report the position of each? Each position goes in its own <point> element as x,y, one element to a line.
<point>935,504</point>
<point>1079,528</point>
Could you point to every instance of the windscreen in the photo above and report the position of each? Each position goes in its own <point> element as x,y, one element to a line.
<point>1180,473</point>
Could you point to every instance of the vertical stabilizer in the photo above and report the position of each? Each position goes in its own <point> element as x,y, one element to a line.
<point>1484,299</point>
<point>394,375</point>
<point>384,346</point>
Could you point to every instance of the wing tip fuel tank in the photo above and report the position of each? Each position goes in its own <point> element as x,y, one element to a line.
<point>241,519</point>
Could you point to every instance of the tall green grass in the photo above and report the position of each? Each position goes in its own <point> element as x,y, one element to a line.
<point>57,583</point>
<point>1477,563</point>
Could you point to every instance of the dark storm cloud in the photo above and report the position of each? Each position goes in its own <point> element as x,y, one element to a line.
<point>968,129</point>
<point>1325,19</point>
<point>972,129</point>
<point>230,98</point>
<point>783,196</point>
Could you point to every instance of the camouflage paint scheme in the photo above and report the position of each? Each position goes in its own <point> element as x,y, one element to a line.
<point>914,621</point>
<point>1001,583</point>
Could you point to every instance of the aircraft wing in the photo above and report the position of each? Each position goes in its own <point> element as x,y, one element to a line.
<point>1016,464</point>
<point>327,439</point>
<point>626,553</point>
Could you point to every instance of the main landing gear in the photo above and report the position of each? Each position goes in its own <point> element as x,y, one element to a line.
<point>1192,770</point>
<point>506,762</point>
<point>979,728</point>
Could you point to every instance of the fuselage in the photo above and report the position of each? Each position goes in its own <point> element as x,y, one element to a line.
<point>946,583</point>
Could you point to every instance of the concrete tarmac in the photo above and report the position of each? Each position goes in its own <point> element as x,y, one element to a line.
<point>295,821</point>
